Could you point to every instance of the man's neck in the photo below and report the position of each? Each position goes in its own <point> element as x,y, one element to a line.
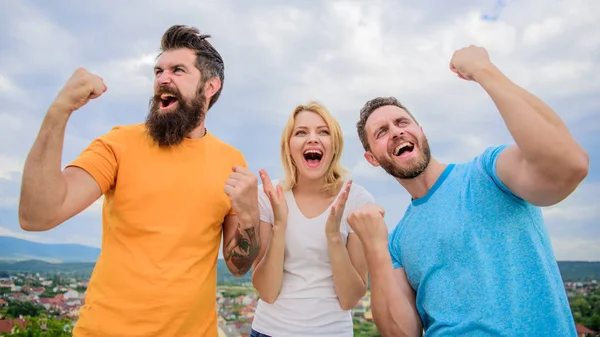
<point>420,186</point>
<point>198,132</point>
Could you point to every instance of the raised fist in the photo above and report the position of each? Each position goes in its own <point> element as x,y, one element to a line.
<point>368,223</point>
<point>242,189</point>
<point>79,89</point>
<point>466,62</point>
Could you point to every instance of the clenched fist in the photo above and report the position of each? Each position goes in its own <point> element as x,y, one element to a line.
<point>466,62</point>
<point>368,223</point>
<point>242,189</point>
<point>79,89</point>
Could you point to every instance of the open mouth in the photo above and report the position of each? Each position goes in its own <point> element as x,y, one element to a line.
<point>313,158</point>
<point>167,101</point>
<point>404,149</point>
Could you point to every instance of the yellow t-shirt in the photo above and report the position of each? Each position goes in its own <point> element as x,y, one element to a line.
<point>162,224</point>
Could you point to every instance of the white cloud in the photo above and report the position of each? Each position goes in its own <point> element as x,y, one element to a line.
<point>24,235</point>
<point>579,205</point>
<point>10,122</point>
<point>538,33</point>
<point>576,249</point>
<point>43,237</point>
<point>42,43</point>
<point>363,169</point>
<point>5,84</point>
<point>9,166</point>
<point>127,77</point>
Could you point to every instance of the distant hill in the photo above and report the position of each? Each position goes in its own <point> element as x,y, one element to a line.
<point>42,267</point>
<point>579,271</point>
<point>19,249</point>
<point>26,256</point>
<point>572,271</point>
<point>86,268</point>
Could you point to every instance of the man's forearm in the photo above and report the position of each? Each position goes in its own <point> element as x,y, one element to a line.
<point>242,250</point>
<point>43,186</point>
<point>540,134</point>
<point>347,282</point>
<point>393,312</point>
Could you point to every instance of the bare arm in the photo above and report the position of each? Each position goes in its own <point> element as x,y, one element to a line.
<point>267,275</point>
<point>50,196</point>
<point>241,246</point>
<point>546,164</point>
<point>349,269</point>
<point>392,299</point>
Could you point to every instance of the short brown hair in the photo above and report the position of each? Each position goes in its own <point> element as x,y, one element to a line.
<point>368,109</point>
<point>208,59</point>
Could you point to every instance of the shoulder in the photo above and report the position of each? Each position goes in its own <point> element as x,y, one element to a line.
<point>119,137</point>
<point>126,131</point>
<point>224,148</point>
<point>482,172</point>
<point>487,159</point>
<point>274,182</point>
<point>358,190</point>
<point>359,196</point>
<point>482,164</point>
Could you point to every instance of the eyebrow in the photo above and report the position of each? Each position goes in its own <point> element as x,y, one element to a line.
<point>386,125</point>
<point>178,65</point>
<point>306,127</point>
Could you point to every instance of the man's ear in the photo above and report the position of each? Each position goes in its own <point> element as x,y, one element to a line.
<point>211,87</point>
<point>371,159</point>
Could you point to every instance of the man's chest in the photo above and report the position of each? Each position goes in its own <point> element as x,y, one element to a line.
<point>170,195</point>
<point>433,239</point>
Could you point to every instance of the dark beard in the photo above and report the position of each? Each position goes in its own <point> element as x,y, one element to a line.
<point>412,171</point>
<point>171,127</point>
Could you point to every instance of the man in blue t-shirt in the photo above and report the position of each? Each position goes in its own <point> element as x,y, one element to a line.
<point>471,256</point>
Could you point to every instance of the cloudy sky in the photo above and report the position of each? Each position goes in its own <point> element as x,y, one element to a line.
<point>282,53</point>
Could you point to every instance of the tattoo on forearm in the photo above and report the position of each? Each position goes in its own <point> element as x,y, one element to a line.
<point>242,249</point>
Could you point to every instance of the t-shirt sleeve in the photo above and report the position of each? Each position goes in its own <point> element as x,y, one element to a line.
<point>488,162</point>
<point>264,206</point>
<point>394,250</point>
<point>101,159</point>
<point>358,197</point>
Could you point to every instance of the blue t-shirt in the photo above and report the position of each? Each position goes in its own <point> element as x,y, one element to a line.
<point>480,259</point>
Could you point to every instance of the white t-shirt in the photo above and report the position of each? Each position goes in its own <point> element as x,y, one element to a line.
<point>307,304</point>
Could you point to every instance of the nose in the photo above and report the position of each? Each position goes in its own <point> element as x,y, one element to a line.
<point>163,79</point>
<point>312,138</point>
<point>396,132</point>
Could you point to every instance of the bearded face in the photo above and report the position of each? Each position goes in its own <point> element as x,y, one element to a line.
<point>171,117</point>
<point>417,155</point>
<point>397,143</point>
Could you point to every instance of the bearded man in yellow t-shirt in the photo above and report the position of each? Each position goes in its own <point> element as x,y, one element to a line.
<point>171,189</point>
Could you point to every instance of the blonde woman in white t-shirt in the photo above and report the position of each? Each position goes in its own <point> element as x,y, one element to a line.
<point>311,271</point>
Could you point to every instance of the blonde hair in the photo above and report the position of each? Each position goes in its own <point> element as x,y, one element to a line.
<point>335,172</point>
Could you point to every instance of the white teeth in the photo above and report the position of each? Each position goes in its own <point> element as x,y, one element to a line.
<point>313,151</point>
<point>400,147</point>
<point>165,96</point>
